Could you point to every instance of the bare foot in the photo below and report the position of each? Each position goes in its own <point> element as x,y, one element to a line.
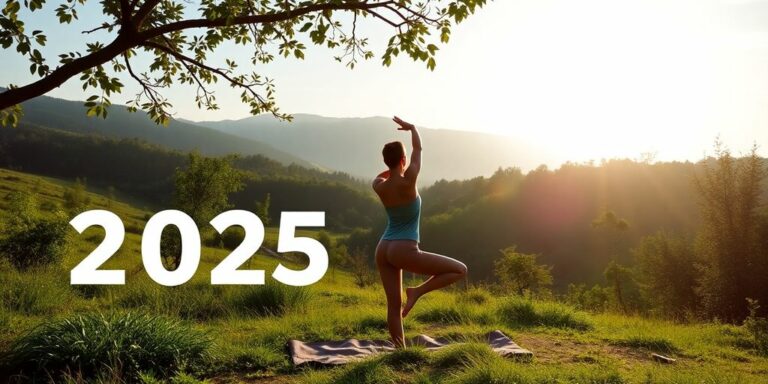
<point>411,295</point>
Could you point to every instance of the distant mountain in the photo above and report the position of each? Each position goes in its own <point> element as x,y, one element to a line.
<point>353,145</point>
<point>70,116</point>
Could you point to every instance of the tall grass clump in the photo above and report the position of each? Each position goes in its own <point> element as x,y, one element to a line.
<point>475,295</point>
<point>268,299</point>
<point>457,356</point>
<point>116,344</point>
<point>651,343</point>
<point>518,311</point>
<point>407,359</point>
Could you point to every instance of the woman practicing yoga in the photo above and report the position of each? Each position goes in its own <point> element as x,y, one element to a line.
<point>398,248</point>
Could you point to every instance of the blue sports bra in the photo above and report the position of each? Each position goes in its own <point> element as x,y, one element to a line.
<point>403,221</point>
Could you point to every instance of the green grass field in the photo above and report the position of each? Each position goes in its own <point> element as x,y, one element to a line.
<point>248,327</point>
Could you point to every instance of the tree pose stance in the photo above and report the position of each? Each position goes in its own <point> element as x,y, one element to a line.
<point>398,248</point>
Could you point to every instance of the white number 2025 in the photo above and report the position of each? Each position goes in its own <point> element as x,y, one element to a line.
<point>226,272</point>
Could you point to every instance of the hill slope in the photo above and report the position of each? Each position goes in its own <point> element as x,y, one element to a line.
<point>145,172</point>
<point>353,145</point>
<point>70,116</point>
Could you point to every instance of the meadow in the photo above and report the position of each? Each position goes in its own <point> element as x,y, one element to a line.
<point>197,332</point>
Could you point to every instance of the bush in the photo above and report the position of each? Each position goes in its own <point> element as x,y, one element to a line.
<point>29,239</point>
<point>232,237</point>
<point>757,327</point>
<point>595,299</point>
<point>521,312</point>
<point>94,344</point>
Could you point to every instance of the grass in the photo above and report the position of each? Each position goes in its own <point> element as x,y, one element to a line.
<point>249,327</point>
<point>95,344</point>
<point>523,312</point>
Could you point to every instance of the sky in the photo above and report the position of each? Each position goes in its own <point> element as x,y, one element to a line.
<point>581,80</point>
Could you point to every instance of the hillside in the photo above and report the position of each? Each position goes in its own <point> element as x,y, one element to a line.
<point>353,145</point>
<point>70,116</point>
<point>144,172</point>
<point>243,330</point>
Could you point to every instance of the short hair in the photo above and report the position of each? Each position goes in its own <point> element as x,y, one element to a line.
<point>393,152</point>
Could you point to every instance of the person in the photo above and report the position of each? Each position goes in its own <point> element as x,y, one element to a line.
<point>398,248</point>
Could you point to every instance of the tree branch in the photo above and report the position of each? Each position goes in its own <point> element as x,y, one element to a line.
<point>258,19</point>
<point>129,38</point>
<point>186,59</point>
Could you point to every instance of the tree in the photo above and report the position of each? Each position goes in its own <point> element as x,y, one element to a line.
<point>203,188</point>
<point>664,270</point>
<point>617,275</point>
<point>202,191</point>
<point>262,209</point>
<point>520,273</point>
<point>593,299</point>
<point>361,269</point>
<point>180,41</point>
<point>76,197</point>
<point>733,266</point>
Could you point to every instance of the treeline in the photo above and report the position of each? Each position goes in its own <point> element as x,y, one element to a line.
<point>144,172</point>
<point>551,212</point>
<point>592,222</point>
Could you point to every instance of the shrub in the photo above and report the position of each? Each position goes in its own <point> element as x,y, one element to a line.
<point>757,327</point>
<point>232,237</point>
<point>29,239</point>
<point>595,299</point>
<point>521,312</point>
<point>361,269</point>
<point>94,344</point>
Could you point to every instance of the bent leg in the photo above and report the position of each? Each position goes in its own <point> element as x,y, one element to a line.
<point>391,279</point>
<point>442,269</point>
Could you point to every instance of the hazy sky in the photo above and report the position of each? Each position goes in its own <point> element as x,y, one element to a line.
<point>580,79</point>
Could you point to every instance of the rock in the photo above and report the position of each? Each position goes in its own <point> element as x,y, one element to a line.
<point>662,359</point>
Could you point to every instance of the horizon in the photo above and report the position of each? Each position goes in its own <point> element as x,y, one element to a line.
<point>545,73</point>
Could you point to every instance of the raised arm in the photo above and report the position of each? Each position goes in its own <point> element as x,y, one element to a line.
<point>412,172</point>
